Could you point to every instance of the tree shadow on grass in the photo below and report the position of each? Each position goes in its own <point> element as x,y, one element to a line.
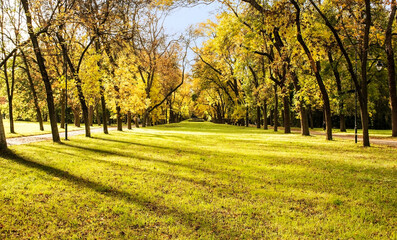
<point>196,220</point>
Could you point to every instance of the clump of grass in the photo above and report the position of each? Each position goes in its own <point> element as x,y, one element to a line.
<point>198,180</point>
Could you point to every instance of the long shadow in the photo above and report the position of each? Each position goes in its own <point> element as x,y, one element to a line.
<point>142,158</point>
<point>158,209</point>
<point>203,183</point>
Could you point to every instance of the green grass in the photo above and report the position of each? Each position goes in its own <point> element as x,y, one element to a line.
<point>25,128</point>
<point>198,181</point>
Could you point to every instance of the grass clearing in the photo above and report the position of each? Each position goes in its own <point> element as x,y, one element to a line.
<point>198,180</point>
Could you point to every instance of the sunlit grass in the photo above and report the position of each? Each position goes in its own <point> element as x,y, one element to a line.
<point>199,180</point>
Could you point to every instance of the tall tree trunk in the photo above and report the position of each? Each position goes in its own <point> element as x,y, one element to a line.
<point>137,121</point>
<point>265,115</point>
<point>311,118</point>
<point>391,67</point>
<point>302,109</point>
<point>76,116</point>
<point>287,115</point>
<point>304,120</point>
<point>316,69</point>
<point>43,71</point>
<point>275,127</point>
<point>91,115</point>
<point>77,79</point>
<point>10,95</point>
<point>364,81</point>
<point>98,116</point>
<point>103,104</point>
<point>3,140</point>
<point>129,120</point>
<point>258,117</point>
<point>34,94</point>
<point>334,66</point>
<point>247,117</point>
<point>63,107</point>
<point>119,118</point>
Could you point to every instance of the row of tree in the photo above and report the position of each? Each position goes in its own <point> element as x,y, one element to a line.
<point>98,56</point>
<point>311,54</point>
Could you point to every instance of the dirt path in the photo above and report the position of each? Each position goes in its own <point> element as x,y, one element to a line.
<point>45,137</point>
<point>380,141</point>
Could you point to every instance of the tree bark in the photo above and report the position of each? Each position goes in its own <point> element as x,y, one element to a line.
<point>77,79</point>
<point>63,107</point>
<point>76,116</point>
<point>136,121</point>
<point>258,117</point>
<point>129,120</point>
<point>10,95</point>
<point>119,119</point>
<point>316,69</point>
<point>287,114</point>
<point>98,116</point>
<point>265,124</point>
<point>342,124</point>
<point>247,117</point>
<point>3,140</point>
<point>275,127</point>
<point>91,115</point>
<point>391,67</point>
<point>34,94</point>
<point>311,118</point>
<point>43,71</point>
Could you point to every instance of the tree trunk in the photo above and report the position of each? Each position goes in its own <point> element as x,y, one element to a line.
<point>98,116</point>
<point>311,118</point>
<point>34,94</point>
<point>91,115</point>
<point>340,93</point>
<point>63,108</point>
<point>129,120</point>
<point>316,69</point>
<point>136,121</point>
<point>304,120</point>
<point>364,81</point>
<point>275,127</point>
<point>3,140</point>
<point>76,116</point>
<point>258,117</point>
<point>43,71</point>
<point>104,115</point>
<point>247,117</point>
<point>391,67</point>
<point>9,96</point>
<point>119,119</point>
<point>265,116</point>
<point>287,115</point>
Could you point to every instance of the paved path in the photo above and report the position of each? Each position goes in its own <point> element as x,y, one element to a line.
<point>380,141</point>
<point>44,137</point>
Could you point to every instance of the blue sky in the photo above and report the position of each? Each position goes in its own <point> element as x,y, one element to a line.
<point>180,19</point>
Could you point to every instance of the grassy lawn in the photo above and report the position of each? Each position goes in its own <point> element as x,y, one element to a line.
<point>24,128</point>
<point>198,180</point>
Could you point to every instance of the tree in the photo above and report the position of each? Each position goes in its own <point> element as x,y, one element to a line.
<point>43,71</point>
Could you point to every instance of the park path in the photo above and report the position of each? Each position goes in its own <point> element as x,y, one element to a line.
<point>45,137</point>
<point>380,141</point>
